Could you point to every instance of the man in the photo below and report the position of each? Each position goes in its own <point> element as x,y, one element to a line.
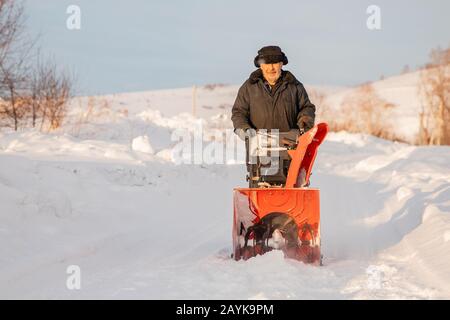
<point>272,98</point>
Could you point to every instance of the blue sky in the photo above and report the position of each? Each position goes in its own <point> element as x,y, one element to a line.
<point>141,45</point>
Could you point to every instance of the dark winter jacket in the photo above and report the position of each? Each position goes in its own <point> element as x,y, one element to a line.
<point>286,107</point>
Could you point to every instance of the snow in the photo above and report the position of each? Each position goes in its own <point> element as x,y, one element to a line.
<point>142,144</point>
<point>105,193</point>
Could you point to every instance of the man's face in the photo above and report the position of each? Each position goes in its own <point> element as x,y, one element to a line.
<point>271,71</point>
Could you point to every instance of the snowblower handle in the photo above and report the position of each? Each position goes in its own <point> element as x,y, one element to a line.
<point>247,144</point>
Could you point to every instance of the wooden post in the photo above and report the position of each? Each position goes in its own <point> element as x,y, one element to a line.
<point>194,101</point>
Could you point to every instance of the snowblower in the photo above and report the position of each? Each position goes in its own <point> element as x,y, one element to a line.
<point>278,211</point>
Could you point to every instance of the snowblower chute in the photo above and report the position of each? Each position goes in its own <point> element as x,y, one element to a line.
<point>279,210</point>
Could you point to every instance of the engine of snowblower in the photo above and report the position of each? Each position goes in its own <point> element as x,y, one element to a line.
<point>267,157</point>
<point>278,211</point>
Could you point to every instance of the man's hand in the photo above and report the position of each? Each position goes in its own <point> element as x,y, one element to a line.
<point>305,123</point>
<point>242,133</point>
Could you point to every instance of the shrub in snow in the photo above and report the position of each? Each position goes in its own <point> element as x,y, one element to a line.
<point>142,144</point>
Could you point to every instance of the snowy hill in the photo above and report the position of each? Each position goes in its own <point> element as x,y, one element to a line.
<point>401,91</point>
<point>141,226</point>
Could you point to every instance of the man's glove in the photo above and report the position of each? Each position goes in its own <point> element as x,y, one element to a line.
<point>305,123</point>
<point>242,133</point>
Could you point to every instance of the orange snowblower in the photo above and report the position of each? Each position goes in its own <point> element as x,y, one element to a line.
<point>278,211</point>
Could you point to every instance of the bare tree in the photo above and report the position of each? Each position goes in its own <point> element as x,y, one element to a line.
<point>11,19</point>
<point>365,111</point>
<point>26,91</point>
<point>434,125</point>
<point>51,91</point>
<point>12,87</point>
<point>14,61</point>
<point>36,98</point>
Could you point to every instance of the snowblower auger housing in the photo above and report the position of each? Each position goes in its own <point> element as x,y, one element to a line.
<point>278,210</point>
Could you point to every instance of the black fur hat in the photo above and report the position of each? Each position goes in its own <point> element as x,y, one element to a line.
<point>270,54</point>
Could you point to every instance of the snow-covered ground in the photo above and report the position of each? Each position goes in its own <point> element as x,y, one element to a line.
<point>105,194</point>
